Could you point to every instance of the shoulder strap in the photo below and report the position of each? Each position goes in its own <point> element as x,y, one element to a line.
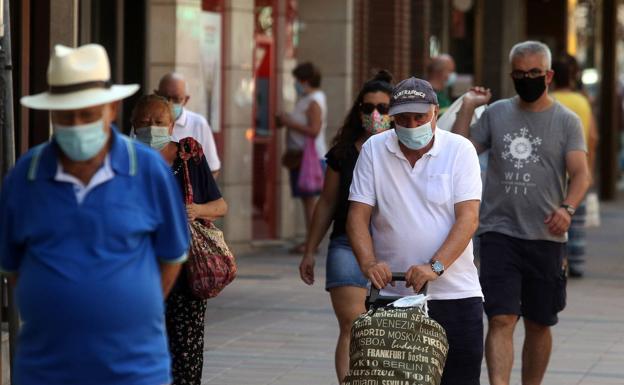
<point>132,158</point>
<point>34,161</point>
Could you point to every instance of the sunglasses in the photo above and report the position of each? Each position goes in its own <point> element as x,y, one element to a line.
<point>368,108</point>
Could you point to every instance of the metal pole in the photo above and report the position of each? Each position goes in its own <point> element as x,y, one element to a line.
<point>609,111</point>
<point>7,142</point>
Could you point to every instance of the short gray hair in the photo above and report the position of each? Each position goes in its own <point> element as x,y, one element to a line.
<point>531,47</point>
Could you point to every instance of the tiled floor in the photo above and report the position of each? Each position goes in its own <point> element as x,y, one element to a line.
<point>268,328</point>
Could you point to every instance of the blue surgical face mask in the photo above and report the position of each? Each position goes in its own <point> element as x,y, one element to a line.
<point>452,79</point>
<point>299,89</point>
<point>81,142</point>
<point>177,110</point>
<point>415,138</point>
<point>154,136</point>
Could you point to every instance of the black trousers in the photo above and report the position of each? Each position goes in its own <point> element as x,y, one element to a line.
<point>463,321</point>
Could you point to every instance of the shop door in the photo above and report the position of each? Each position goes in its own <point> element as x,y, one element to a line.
<point>264,188</point>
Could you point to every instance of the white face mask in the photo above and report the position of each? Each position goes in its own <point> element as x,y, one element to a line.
<point>415,138</point>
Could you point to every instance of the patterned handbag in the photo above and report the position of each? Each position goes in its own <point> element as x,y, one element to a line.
<point>211,265</point>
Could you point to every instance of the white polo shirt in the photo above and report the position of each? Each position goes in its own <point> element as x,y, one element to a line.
<point>414,207</point>
<point>195,126</point>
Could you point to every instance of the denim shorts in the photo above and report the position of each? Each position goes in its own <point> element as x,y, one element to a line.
<point>342,268</point>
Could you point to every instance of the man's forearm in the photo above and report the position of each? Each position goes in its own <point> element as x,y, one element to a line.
<point>458,238</point>
<point>361,242</point>
<point>579,183</point>
<point>462,120</point>
<point>168,275</point>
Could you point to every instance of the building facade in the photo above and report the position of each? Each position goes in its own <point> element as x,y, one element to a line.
<point>237,56</point>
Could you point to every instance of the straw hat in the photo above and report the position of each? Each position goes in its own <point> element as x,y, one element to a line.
<point>78,78</point>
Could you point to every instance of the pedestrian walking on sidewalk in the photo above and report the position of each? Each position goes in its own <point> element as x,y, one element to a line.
<point>344,280</point>
<point>527,207</point>
<point>188,124</point>
<point>414,208</point>
<point>153,123</point>
<point>307,120</point>
<point>441,75</point>
<point>93,231</point>
<point>566,91</point>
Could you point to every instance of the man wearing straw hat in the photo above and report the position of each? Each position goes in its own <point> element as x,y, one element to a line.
<point>92,232</point>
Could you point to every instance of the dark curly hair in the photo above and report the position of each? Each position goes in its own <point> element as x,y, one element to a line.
<point>308,72</point>
<point>351,129</point>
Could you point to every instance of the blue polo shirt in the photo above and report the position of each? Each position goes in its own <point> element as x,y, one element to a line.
<point>88,289</point>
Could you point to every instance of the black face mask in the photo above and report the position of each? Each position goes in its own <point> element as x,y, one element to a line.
<point>529,89</point>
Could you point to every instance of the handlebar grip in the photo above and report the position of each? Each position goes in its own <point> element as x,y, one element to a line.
<point>374,295</point>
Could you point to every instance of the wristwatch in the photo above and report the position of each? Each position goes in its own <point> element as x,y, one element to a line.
<point>569,208</point>
<point>437,267</point>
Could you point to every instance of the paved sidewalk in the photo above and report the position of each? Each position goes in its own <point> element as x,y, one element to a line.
<point>269,328</point>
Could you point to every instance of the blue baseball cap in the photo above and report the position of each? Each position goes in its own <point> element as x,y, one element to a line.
<point>412,95</point>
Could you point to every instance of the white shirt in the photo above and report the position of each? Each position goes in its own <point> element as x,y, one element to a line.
<point>414,207</point>
<point>296,140</point>
<point>195,126</point>
<point>102,175</point>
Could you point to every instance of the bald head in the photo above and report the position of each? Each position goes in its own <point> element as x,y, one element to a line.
<point>439,69</point>
<point>448,61</point>
<point>172,86</point>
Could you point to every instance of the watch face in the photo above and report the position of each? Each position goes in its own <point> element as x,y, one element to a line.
<point>438,267</point>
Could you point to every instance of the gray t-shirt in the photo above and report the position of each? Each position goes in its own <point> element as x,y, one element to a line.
<point>526,177</point>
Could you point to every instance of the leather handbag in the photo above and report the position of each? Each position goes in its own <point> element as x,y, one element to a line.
<point>211,265</point>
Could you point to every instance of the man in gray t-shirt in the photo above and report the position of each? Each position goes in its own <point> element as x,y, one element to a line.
<point>537,174</point>
<point>526,177</point>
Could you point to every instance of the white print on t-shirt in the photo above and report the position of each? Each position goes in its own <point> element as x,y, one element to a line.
<point>520,149</point>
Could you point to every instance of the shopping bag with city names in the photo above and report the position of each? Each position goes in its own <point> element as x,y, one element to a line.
<point>396,346</point>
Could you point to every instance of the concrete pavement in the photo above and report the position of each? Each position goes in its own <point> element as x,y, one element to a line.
<point>268,328</point>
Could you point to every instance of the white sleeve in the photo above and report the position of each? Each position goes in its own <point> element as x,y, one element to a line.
<point>466,174</point>
<point>210,148</point>
<point>363,185</point>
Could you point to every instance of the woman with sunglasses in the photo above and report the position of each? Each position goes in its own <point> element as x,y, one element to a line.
<point>344,280</point>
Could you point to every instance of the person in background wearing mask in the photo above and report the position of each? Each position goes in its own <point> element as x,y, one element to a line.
<point>528,204</point>
<point>414,208</point>
<point>566,91</point>
<point>441,75</point>
<point>309,119</point>
<point>93,249</point>
<point>153,123</point>
<point>344,280</point>
<point>188,124</point>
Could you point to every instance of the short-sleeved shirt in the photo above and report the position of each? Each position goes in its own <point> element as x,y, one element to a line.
<point>526,177</point>
<point>414,207</point>
<point>342,162</point>
<point>89,285</point>
<point>296,140</point>
<point>192,125</point>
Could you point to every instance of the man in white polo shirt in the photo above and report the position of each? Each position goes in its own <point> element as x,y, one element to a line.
<point>414,208</point>
<point>172,86</point>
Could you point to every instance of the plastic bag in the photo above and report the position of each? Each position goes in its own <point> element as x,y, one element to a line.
<point>592,217</point>
<point>447,120</point>
<point>311,173</point>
